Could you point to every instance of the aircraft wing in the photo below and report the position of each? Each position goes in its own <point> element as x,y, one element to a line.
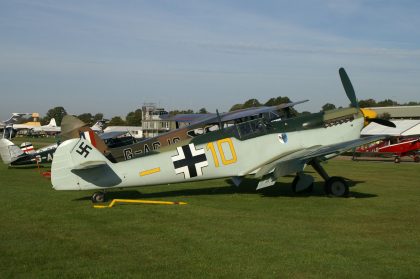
<point>190,118</point>
<point>15,117</point>
<point>229,116</point>
<point>295,161</point>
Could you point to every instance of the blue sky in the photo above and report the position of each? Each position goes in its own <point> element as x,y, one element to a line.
<point>112,56</point>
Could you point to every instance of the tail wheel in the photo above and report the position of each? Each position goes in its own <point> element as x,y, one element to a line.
<point>397,160</point>
<point>337,187</point>
<point>98,197</point>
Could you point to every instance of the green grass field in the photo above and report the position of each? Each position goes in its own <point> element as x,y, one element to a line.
<point>223,232</point>
<point>37,142</point>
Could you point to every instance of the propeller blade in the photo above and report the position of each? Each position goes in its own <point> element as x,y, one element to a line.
<point>381,121</point>
<point>348,87</point>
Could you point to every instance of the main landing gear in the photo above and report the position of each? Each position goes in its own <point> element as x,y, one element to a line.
<point>98,197</point>
<point>334,186</point>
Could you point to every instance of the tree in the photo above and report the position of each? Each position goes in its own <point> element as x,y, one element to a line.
<point>412,103</point>
<point>387,103</point>
<point>203,111</point>
<point>57,113</point>
<point>367,103</point>
<point>86,117</point>
<point>328,106</point>
<point>134,118</point>
<point>116,121</point>
<point>251,103</point>
<point>97,117</point>
<point>385,115</point>
<point>236,107</point>
<point>175,112</point>
<point>277,101</point>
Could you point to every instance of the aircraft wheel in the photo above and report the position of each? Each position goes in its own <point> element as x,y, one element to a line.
<point>337,187</point>
<point>397,160</point>
<point>98,197</point>
<point>416,159</point>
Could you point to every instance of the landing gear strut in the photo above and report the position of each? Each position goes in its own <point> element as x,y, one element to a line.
<point>334,186</point>
<point>98,197</point>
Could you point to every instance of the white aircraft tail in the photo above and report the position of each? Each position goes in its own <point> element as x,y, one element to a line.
<point>52,123</point>
<point>99,126</point>
<point>8,151</point>
<point>78,165</point>
<point>27,148</point>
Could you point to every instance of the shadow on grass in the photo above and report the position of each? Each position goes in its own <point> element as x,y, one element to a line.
<point>26,167</point>
<point>248,186</point>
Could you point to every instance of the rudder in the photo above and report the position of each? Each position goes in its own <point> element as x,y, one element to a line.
<point>9,152</point>
<point>78,165</point>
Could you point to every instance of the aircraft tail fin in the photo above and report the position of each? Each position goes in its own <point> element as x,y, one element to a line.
<point>99,125</point>
<point>78,165</point>
<point>72,127</point>
<point>8,151</point>
<point>52,123</point>
<point>27,148</point>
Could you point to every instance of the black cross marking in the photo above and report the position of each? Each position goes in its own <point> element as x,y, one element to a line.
<point>84,149</point>
<point>190,161</point>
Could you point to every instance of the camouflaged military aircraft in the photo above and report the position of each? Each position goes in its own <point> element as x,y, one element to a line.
<point>231,147</point>
<point>199,125</point>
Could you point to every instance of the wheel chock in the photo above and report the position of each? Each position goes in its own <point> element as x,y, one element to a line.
<point>115,201</point>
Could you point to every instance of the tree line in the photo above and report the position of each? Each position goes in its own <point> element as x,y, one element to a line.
<point>368,103</point>
<point>134,118</point>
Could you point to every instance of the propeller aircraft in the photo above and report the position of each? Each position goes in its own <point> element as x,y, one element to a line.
<point>200,124</point>
<point>7,125</point>
<point>14,156</point>
<point>237,144</point>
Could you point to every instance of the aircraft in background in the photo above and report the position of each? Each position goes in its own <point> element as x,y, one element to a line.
<point>235,145</point>
<point>14,156</point>
<point>7,126</point>
<point>98,127</point>
<point>50,128</point>
<point>26,155</point>
<point>36,128</point>
<point>404,147</point>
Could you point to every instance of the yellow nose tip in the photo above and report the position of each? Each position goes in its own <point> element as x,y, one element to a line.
<point>368,113</point>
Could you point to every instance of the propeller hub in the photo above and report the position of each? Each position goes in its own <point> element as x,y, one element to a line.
<point>368,114</point>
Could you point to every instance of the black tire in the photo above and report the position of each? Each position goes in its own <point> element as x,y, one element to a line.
<point>397,160</point>
<point>98,197</point>
<point>416,159</point>
<point>337,187</point>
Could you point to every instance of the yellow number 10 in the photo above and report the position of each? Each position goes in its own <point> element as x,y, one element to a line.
<point>210,146</point>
